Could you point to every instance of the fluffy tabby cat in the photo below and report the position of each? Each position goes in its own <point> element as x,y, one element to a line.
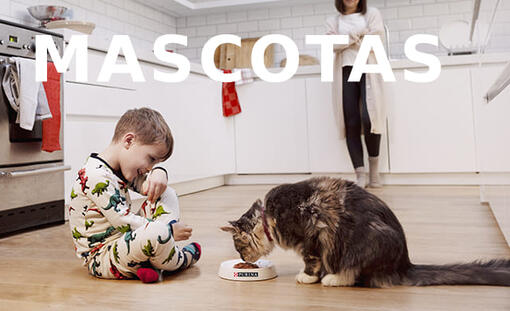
<point>347,237</point>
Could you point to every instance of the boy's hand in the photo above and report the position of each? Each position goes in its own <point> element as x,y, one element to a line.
<point>181,232</point>
<point>155,185</point>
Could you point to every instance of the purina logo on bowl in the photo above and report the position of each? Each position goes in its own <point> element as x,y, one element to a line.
<point>246,274</point>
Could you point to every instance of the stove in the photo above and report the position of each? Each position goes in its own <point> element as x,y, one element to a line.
<point>31,180</point>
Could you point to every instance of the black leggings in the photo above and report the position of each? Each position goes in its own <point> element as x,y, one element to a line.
<point>356,116</point>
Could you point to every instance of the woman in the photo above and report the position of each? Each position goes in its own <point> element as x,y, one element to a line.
<point>358,105</point>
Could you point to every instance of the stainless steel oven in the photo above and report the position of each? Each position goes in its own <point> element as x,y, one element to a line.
<point>31,180</point>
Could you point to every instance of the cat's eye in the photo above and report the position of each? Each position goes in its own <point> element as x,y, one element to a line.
<point>245,239</point>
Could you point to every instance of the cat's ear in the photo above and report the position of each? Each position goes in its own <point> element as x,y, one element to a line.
<point>257,204</point>
<point>257,208</point>
<point>228,229</point>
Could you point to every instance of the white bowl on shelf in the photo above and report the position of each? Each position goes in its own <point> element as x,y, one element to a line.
<point>47,13</point>
<point>265,271</point>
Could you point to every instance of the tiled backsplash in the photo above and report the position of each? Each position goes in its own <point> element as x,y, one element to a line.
<point>141,23</point>
<point>403,17</point>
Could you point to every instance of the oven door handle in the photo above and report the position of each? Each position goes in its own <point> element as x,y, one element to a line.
<point>35,172</point>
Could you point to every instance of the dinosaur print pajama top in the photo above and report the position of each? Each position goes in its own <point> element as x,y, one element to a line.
<point>112,241</point>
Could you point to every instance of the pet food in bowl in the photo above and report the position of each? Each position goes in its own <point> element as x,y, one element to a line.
<point>245,265</point>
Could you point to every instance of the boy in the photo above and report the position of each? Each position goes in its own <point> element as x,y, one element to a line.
<point>112,241</point>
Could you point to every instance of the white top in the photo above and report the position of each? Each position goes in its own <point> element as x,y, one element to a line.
<point>376,96</point>
<point>351,24</point>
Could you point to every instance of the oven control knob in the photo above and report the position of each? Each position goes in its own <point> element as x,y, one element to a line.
<point>31,47</point>
<point>25,47</point>
<point>1,42</point>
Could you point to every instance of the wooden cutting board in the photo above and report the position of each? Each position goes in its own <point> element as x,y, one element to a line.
<point>230,56</point>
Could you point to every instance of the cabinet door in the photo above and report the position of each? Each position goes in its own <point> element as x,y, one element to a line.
<point>271,131</point>
<point>91,114</point>
<point>491,121</point>
<point>82,137</point>
<point>328,153</point>
<point>93,100</point>
<point>95,60</point>
<point>204,138</point>
<point>431,124</point>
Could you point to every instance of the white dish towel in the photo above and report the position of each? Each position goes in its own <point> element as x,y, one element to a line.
<point>32,101</point>
<point>247,76</point>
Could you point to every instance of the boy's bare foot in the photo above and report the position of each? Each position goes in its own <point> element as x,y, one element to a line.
<point>181,232</point>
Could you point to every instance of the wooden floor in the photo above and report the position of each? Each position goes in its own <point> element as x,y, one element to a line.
<point>39,271</point>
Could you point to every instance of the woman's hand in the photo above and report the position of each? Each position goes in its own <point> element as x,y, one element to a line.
<point>155,185</point>
<point>358,37</point>
<point>181,232</point>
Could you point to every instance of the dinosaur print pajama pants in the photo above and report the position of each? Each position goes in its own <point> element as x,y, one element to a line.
<point>152,243</point>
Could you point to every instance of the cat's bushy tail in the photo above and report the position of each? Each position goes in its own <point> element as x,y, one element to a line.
<point>492,272</point>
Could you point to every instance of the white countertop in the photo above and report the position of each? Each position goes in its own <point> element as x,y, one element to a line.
<point>458,60</point>
<point>396,64</point>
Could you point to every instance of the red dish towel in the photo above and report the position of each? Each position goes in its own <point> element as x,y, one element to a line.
<point>51,127</point>
<point>231,104</point>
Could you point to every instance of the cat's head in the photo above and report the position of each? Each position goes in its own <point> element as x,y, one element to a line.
<point>250,241</point>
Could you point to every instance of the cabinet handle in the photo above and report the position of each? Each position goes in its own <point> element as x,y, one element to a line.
<point>35,172</point>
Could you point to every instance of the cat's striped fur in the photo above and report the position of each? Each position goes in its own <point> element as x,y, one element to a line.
<point>347,236</point>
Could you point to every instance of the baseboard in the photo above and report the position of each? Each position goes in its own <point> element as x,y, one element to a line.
<point>449,179</point>
<point>197,185</point>
<point>387,179</point>
<point>182,188</point>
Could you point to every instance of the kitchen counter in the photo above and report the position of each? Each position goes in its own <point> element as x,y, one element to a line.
<point>458,60</point>
<point>396,64</point>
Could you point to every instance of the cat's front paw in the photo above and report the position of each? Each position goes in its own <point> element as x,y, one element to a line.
<point>337,280</point>
<point>304,278</point>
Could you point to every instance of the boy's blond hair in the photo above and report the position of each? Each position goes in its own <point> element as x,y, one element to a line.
<point>148,125</point>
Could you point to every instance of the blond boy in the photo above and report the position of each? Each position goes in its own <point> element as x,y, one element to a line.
<point>112,241</point>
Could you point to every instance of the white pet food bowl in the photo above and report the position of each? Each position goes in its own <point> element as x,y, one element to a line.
<point>265,271</point>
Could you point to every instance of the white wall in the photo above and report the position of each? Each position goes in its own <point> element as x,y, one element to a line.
<point>403,17</point>
<point>141,23</point>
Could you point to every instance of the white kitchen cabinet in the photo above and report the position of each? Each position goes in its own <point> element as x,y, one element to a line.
<point>492,136</point>
<point>81,138</point>
<point>99,101</point>
<point>95,60</point>
<point>328,153</point>
<point>491,121</point>
<point>204,138</point>
<point>271,131</point>
<point>431,124</point>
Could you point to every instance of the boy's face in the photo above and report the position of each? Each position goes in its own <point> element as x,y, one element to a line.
<point>138,159</point>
